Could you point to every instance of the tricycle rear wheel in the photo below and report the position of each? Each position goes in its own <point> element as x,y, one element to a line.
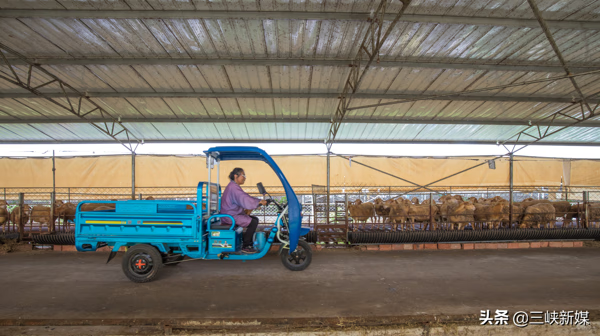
<point>141,263</point>
<point>298,260</point>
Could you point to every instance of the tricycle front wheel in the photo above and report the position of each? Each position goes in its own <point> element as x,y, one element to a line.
<point>141,263</point>
<point>299,259</point>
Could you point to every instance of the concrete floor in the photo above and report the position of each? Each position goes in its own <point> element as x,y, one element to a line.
<point>71,285</point>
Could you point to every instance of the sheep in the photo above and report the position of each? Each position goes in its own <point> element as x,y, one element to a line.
<point>578,211</point>
<point>41,214</point>
<point>489,214</point>
<point>379,209</point>
<point>539,214</point>
<point>382,209</point>
<point>66,211</point>
<point>444,198</point>
<point>526,204</point>
<point>361,212</point>
<point>562,209</point>
<point>517,214</point>
<point>104,208</point>
<point>93,206</point>
<point>496,199</point>
<point>15,215</point>
<point>462,215</point>
<point>423,213</point>
<point>398,215</point>
<point>448,208</point>
<point>3,212</point>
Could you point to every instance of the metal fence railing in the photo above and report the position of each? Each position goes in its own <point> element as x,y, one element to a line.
<point>584,206</point>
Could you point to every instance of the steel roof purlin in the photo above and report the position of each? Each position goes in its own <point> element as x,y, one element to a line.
<point>288,15</point>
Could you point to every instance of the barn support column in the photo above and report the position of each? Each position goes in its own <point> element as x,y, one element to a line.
<point>21,224</point>
<point>51,223</point>
<point>510,203</point>
<point>328,184</point>
<point>53,174</point>
<point>52,195</point>
<point>586,206</point>
<point>132,175</point>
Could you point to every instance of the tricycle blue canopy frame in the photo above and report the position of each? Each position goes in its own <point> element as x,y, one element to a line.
<point>229,153</point>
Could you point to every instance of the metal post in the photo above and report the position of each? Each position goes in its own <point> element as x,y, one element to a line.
<point>431,228</point>
<point>140,197</point>
<point>21,224</point>
<point>218,171</point>
<point>217,190</point>
<point>328,184</point>
<point>51,219</point>
<point>346,213</point>
<point>53,174</point>
<point>586,206</point>
<point>578,215</point>
<point>132,175</point>
<point>510,206</point>
<point>69,194</point>
<point>209,163</point>
<point>314,206</point>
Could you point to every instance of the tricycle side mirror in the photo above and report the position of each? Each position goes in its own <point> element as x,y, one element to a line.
<point>261,189</point>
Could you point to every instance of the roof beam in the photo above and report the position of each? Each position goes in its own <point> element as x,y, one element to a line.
<point>494,122</point>
<point>319,141</point>
<point>432,64</point>
<point>286,15</point>
<point>527,99</point>
<point>368,51</point>
<point>79,107</point>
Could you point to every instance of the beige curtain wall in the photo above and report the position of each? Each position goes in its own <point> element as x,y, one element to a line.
<point>173,171</point>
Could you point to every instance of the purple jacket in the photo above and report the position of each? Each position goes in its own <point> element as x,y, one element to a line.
<point>233,202</point>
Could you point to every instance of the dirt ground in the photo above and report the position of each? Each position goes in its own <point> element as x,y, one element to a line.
<point>343,291</point>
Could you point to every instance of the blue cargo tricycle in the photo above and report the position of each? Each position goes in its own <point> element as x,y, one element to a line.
<point>160,232</point>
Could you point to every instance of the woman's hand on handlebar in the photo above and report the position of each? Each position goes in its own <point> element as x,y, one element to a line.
<point>263,202</point>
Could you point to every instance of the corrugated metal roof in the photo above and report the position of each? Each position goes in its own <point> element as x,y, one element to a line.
<point>298,39</point>
<point>24,132</point>
<point>251,38</point>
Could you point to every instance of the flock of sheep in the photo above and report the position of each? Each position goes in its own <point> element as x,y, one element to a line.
<point>449,213</point>
<point>38,213</point>
<point>454,213</point>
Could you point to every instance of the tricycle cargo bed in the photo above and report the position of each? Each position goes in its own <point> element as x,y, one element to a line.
<point>172,219</point>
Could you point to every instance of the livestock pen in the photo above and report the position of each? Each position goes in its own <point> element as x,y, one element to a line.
<point>424,217</point>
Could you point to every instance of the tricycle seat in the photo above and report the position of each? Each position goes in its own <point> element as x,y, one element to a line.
<point>219,226</point>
